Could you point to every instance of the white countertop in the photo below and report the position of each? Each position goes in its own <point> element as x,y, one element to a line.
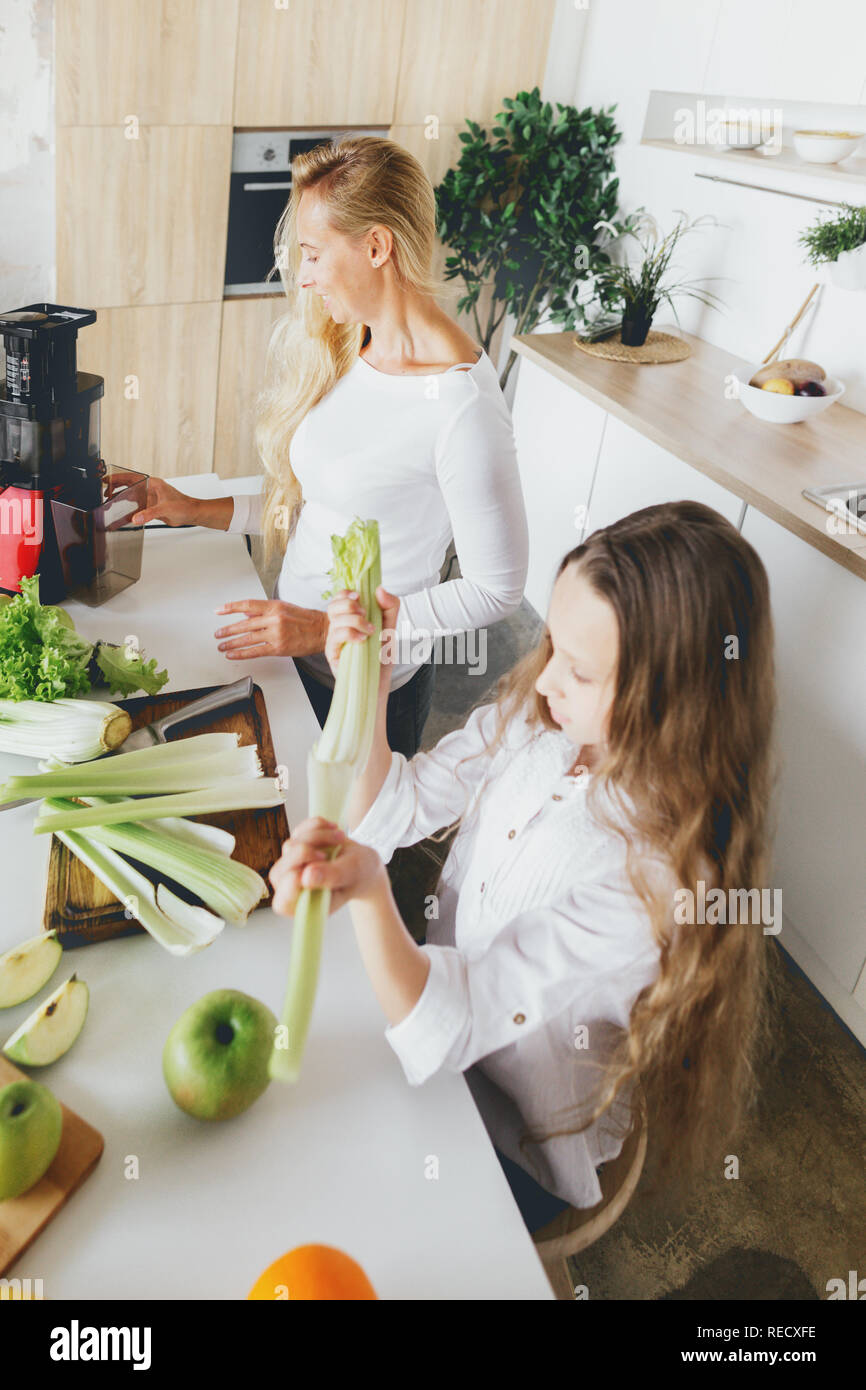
<point>341,1158</point>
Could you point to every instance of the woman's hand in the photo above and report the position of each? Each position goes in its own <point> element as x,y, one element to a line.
<point>165,503</point>
<point>347,622</point>
<point>356,873</point>
<point>271,628</point>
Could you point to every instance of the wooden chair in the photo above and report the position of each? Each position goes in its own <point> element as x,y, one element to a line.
<point>576,1228</point>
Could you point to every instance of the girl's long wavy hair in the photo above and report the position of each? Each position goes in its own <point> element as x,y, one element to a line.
<point>362,181</point>
<point>691,743</point>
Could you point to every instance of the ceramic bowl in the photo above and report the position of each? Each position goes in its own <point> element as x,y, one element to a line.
<point>826,146</point>
<point>785,410</point>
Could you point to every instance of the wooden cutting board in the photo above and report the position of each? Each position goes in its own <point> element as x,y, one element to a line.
<point>22,1218</point>
<point>82,910</point>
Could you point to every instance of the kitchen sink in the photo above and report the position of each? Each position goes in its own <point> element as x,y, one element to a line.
<point>845,500</point>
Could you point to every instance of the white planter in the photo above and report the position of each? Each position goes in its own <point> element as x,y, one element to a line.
<point>848,271</point>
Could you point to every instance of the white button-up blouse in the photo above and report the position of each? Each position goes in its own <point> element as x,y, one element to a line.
<point>540,946</point>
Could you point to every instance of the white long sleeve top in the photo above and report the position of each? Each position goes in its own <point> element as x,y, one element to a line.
<point>430,458</point>
<point>539,936</point>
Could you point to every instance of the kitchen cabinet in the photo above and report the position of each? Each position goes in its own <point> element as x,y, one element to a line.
<point>142,221</point>
<point>461,57</point>
<point>634,472</point>
<point>164,62</point>
<point>679,44</point>
<point>558,433</point>
<point>246,329</point>
<point>302,63</point>
<point>583,468</point>
<point>160,368</point>
<point>818,612</point>
<point>788,49</point>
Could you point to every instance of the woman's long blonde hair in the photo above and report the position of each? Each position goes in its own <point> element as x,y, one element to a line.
<point>362,181</point>
<point>691,744</point>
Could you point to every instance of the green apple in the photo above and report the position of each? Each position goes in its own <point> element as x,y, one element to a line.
<point>31,1122</point>
<point>52,1028</point>
<point>215,1060</point>
<point>26,968</point>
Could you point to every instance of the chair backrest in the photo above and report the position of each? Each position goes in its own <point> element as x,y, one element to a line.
<point>576,1228</point>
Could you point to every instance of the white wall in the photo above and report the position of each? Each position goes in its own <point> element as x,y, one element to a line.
<point>782,49</point>
<point>27,264</point>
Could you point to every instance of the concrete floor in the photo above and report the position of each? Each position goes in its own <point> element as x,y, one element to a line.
<point>796,1216</point>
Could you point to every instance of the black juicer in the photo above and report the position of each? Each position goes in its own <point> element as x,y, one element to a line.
<point>49,453</point>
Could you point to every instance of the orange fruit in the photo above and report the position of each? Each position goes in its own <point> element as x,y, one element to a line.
<point>313,1272</point>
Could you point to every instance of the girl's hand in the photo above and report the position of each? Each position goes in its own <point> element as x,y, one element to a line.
<point>347,623</point>
<point>271,628</point>
<point>165,503</point>
<point>356,872</point>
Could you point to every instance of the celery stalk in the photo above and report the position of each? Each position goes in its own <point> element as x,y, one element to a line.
<point>227,887</point>
<point>339,756</point>
<point>236,794</point>
<point>94,778</point>
<point>178,927</point>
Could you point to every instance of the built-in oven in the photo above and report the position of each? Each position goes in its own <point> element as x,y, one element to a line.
<point>261,180</point>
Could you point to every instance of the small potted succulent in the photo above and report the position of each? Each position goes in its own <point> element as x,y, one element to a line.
<point>631,294</point>
<point>839,242</point>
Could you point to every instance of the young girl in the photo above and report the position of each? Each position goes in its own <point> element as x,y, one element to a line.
<point>626,758</point>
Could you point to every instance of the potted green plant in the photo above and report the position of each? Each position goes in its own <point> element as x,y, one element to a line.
<point>630,294</point>
<point>522,210</point>
<point>839,242</point>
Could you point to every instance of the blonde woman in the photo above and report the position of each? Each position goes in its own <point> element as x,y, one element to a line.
<point>625,759</point>
<point>377,405</point>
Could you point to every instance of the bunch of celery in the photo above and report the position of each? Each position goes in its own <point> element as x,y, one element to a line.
<point>339,756</point>
<point>131,807</point>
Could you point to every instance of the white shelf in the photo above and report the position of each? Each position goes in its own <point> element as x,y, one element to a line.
<point>849,171</point>
<point>689,123</point>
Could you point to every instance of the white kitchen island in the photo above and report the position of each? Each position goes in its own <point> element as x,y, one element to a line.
<point>180,1209</point>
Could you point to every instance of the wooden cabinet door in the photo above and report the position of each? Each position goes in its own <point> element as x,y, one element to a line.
<point>160,368</point>
<point>819,612</point>
<point>461,57</point>
<point>163,61</point>
<point>304,63</point>
<point>246,329</point>
<point>558,433</point>
<point>142,221</point>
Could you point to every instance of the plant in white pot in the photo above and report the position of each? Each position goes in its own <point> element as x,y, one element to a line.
<point>839,242</point>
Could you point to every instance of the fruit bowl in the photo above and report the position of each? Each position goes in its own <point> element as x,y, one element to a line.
<point>784,410</point>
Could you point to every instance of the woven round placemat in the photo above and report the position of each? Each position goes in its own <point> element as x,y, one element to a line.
<point>659,347</point>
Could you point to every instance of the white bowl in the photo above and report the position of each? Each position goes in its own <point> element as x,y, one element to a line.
<point>785,410</point>
<point>825,146</point>
<point>742,136</point>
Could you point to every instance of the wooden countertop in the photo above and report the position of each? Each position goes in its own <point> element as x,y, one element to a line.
<point>682,407</point>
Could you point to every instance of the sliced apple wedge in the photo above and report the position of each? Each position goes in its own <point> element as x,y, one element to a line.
<point>26,968</point>
<point>52,1028</point>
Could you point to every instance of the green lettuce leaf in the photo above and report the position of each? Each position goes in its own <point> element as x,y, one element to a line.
<point>127,671</point>
<point>42,657</point>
